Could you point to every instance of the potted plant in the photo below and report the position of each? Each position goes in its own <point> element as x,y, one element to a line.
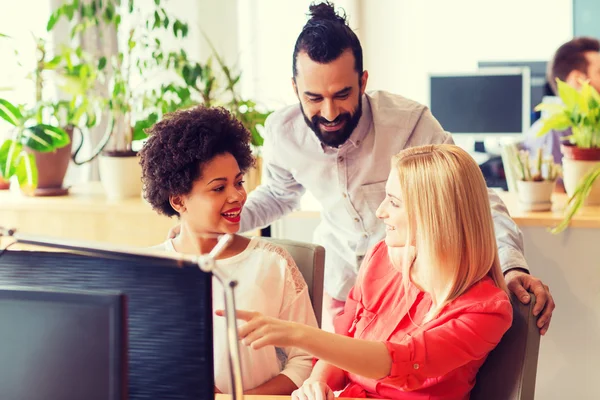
<point>131,75</point>
<point>579,112</point>
<point>536,179</point>
<point>39,150</point>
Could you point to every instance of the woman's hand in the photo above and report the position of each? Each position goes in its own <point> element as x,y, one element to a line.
<point>313,390</point>
<point>261,331</point>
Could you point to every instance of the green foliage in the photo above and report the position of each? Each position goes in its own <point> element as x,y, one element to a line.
<point>41,126</point>
<point>142,53</point>
<point>576,201</point>
<point>580,111</point>
<point>141,106</point>
<point>14,159</point>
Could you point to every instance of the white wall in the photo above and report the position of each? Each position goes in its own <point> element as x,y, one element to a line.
<point>403,40</point>
<point>268,33</point>
<point>406,40</point>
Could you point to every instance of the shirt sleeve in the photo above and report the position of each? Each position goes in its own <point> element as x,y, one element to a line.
<point>299,363</point>
<point>278,194</point>
<point>440,350</point>
<point>508,235</point>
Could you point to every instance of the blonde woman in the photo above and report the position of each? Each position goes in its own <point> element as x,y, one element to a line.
<point>430,301</point>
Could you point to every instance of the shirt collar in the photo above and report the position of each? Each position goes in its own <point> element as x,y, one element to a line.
<point>359,133</point>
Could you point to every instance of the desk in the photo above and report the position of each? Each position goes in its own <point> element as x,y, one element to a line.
<point>85,215</point>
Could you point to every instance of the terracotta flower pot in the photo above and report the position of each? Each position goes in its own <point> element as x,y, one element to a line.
<point>52,168</point>
<point>4,185</point>
<point>577,162</point>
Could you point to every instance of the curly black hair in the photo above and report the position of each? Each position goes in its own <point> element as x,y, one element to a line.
<point>326,36</point>
<point>181,143</point>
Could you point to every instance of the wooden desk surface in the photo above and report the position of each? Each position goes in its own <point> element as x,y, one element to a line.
<point>587,217</point>
<point>85,214</point>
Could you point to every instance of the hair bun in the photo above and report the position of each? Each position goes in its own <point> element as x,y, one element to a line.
<point>325,11</point>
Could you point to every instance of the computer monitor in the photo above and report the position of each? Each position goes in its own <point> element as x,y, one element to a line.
<point>67,345</point>
<point>483,104</point>
<point>538,79</point>
<point>169,313</point>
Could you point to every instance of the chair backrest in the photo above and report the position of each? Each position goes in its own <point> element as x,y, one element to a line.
<point>510,369</point>
<point>310,259</point>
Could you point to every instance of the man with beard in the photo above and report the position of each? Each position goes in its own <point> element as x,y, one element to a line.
<point>338,145</point>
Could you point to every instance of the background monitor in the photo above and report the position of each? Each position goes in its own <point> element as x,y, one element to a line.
<point>484,103</point>
<point>169,314</point>
<point>62,345</point>
<point>538,79</point>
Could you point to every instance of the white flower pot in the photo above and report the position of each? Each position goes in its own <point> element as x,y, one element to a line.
<point>573,171</point>
<point>535,196</point>
<point>121,176</point>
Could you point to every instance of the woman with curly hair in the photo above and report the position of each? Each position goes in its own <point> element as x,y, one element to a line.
<point>193,167</point>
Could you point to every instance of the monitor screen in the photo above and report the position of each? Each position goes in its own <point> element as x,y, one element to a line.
<point>169,314</point>
<point>538,81</point>
<point>60,345</point>
<point>482,103</point>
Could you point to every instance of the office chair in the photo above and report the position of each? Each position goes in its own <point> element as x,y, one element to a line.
<point>510,369</point>
<point>310,259</point>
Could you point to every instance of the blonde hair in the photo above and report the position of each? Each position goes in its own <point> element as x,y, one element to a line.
<point>450,221</point>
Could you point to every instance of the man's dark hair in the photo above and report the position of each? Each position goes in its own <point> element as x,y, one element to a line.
<point>571,57</point>
<point>181,143</point>
<point>326,36</point>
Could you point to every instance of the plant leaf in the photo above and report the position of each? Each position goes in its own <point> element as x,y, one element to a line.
<point>10,113</point>
<point>568,94</point>
<point>27,173</point>
<point>558,122</point>
<point>45,138</point>
<point>9,152</point>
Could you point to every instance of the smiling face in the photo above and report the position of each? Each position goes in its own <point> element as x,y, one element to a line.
<point>392,212</point>
<point>215,203</point>
<point>330,96</point>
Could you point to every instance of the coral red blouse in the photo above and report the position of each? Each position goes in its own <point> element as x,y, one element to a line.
<point>436,360</point>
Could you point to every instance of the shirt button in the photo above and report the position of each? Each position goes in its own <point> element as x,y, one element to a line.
<point>356,220</point>
<point>365,235</point>
<point>340,158</point>
<point>416,366</point>
<point>345,195</point>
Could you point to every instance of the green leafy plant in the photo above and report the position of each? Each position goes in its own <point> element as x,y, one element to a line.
<point>142,53</point>
<point>204,84</point>
<point>576,201</point>
<point>41,126</point>
<point>580,111</point>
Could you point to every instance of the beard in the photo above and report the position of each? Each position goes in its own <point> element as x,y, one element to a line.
<point>339,137</point>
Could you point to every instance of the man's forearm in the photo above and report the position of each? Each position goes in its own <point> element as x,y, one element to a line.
<point>263,207</point>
